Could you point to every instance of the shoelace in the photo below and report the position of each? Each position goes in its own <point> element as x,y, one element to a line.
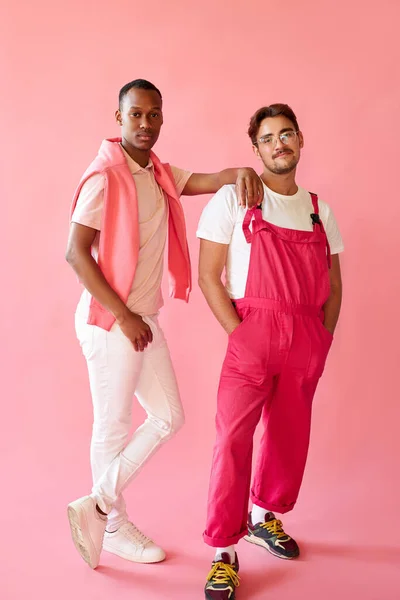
<point>135,535</point>
<point>275,528</point>
<point>223,573</point>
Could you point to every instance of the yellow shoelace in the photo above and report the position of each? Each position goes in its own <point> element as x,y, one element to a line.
<point>223,573</point>
<point>275,527</point>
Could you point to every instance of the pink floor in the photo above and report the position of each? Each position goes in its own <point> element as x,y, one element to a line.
<point>349,547</point>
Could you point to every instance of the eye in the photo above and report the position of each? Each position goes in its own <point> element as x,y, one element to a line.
<point>155,115</point>
<point>266,140</point>
<point>287,137</point>
<point>135,114</point>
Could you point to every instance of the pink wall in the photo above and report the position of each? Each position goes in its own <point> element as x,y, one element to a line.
<point>336,63</point>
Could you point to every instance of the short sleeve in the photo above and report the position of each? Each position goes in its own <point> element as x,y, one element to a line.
<point>89,205</point>
<point>181,178</point>
<point>218,219</point>
<point>333,234</point>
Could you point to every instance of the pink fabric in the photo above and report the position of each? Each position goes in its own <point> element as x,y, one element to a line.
<point>119,239</point>
<point>274,360</point>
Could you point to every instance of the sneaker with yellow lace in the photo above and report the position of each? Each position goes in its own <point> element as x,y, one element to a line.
<point>223,579</point>
<point>271,536</point>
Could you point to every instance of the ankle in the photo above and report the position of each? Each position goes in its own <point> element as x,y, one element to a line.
<point>103,514</point>
<point>226,550</point>
<point>258,514</point>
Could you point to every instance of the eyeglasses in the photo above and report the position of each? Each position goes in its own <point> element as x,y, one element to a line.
<point>271,140</point>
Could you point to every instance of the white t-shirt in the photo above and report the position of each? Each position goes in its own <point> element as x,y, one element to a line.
<point>222,219</point>
<point>145,297</point>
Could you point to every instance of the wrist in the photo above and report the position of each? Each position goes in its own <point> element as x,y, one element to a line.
<point>329,325</point>
<point>231,328</point>
<point>228,176</point>
<point>121,314</point>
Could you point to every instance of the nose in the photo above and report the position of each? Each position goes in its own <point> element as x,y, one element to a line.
<point>144,123</point>
<point>278,143</point>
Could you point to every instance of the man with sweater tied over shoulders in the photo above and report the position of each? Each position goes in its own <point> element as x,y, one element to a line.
<point>126,203</point>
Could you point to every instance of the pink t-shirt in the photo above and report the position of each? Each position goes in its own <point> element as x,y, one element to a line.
<point>145,297</point>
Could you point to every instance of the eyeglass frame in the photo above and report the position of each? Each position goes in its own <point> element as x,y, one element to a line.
<point>276,137</point>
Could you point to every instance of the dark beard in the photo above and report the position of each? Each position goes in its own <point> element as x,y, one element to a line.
<point>282,170</point>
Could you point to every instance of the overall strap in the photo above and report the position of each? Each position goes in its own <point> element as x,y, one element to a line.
<point>314,199</point>
<point>317,221</point>
<point>255,212</point>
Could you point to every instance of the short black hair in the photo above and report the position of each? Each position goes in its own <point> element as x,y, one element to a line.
<point>273,110</point>
<point>139,84</point>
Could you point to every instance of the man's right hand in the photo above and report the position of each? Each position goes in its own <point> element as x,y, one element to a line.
<point>79,256</point>
<point>135,329</point>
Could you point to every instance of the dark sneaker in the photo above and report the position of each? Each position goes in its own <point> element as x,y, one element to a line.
<point>270,535</point>
<point>223,579</point>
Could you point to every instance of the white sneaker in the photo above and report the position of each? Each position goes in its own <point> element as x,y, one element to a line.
<point>130,543</point>
<point>87,529</point>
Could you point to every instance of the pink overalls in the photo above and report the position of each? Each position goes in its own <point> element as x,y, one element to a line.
<point>274,360</point>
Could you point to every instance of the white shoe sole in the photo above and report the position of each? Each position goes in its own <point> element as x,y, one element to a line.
<point>254,540</point>
<point>129,557</point>
<point>83,543</point>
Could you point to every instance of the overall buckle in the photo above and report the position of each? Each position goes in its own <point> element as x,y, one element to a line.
<point>315,219</point>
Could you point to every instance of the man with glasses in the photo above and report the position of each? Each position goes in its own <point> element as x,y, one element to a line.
<point>279,305</point>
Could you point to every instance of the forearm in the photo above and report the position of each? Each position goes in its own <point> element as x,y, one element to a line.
<point>219,302</point>
<point>332,309</point>
<point>91,276</point>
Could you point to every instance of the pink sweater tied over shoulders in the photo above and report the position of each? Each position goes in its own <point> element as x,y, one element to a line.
<point>119,239</point>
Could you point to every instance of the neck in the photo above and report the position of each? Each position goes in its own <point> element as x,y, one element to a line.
<point>281,184</point>
<point>141,157</point>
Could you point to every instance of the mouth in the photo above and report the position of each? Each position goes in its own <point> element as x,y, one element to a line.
<point>283,154</point>
<point>145,137</point>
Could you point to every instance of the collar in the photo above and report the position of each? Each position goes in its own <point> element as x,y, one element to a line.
<point>134,167</point>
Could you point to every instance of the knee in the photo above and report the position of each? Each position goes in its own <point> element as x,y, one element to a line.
<point>170,426</point>
<point>234,439</point>
<point>177,422</point>
<point>113,429</point>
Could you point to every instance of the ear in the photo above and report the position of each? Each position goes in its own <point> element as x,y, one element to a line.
<point>256,151</point>
<point>118,117</point>
<point>301,139</point>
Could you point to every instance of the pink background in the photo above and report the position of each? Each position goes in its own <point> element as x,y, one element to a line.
<point>337,64</point>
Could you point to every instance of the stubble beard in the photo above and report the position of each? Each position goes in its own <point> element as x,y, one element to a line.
<point>284,170</point>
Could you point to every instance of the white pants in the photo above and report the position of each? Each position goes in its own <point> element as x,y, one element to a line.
<point>116,374</point>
